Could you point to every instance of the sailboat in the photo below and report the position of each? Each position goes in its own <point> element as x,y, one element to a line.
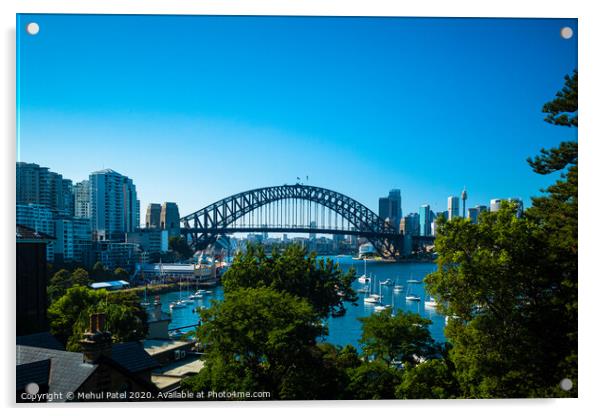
<point>364,278</point>
<point>145,303</point>
<point>372,297</point>
<point>178,304</point>
<point>410,296</point>
<point>397,288</point>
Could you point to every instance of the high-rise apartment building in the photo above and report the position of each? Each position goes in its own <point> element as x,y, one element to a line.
<point>40,219</point>
<point>153,216</point>
<point>495,205</point>
<point>453,207</point>
<point>81,199</point>
<point>410,224</point>
<point>114,206</point>
<point>170,218</point>
<point>38,185</point>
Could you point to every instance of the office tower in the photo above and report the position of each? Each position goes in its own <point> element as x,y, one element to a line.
<point>473,215</point>
<point>481,208</point>
<point>389,207</point>
<point>425,220</point>
<point>464,196</point>
<point>383,207</point>
<point>38,185</point>
<point>453,205</point>
<point>114,207</point>
<point>81,197</point>
<point>410,224</point>
<point>153,216</point>
<point>495,205</point>
<point>170,218</point>
<point>395,205</point>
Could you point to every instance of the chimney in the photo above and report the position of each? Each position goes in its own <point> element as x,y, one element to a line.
<point>157,311</point>
<point>96,342</point>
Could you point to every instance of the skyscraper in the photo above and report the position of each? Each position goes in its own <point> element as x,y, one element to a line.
<point>81,191</point>
<point>473,214</point>
<point>170,218</point>
<point>114,207</point>
<point>425,220</point>
<point>389,207</point>
<point>453,206</point>
<point>38,185</point>
<point>153,216</point>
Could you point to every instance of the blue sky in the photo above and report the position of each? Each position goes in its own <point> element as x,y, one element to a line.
<point>194,109</point>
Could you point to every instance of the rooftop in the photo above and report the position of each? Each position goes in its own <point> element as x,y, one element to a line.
<point>26,234</point>
<point>133,357</point>
<point>157,346</point>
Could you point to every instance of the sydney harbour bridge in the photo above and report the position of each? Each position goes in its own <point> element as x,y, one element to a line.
<point>291,209</point>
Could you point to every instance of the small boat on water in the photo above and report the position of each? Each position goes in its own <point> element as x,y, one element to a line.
<point>364,278</point>
<point>411,296</point>
<point>381,308</point>
<point>178,304</point>
<point>430,303</point>
<point>397,288</point>
<point>387,282</point>
<point>196,296</point>
<point>363,290</point>
<point>414,281</point>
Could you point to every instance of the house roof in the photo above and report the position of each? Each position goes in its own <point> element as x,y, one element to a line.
<point>36,372</point>
<point>133,357</point>
<point>41,340</point>
<point>68,371</point>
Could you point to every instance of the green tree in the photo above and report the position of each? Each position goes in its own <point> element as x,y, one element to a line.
<point>404,338</point>
<point>179,245</point>
<point>63,279</point>
<point>321,283</point>
<point>259,339</point>
<point>121,274</point>
<point>99,271</point>
<point>372,380</point>
<point>433,379</point>
<point>69,315</point>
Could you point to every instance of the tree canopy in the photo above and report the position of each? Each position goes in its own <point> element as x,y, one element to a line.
<point>322,283</point>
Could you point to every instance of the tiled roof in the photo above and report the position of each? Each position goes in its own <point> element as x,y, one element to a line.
<point>133,357</point>
<point>68,369</point>
<point>36,372</point>
<point>40,340</point>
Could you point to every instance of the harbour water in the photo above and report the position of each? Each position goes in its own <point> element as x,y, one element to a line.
<point>345,329</point>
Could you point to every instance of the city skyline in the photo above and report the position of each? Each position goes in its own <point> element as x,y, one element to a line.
<point>358,105</point>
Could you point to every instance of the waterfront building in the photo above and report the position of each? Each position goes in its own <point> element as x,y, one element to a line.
<point>367,250</point>
<point>481,208</point>
<point>40,219</point>
<point>38,185</point>
<point>81,197</point>
<point>150,240</point>
<point>114,206</point>
<point>153,216</point>
<point>115,254</point>
<point>170,218</point>
<point>32,280</point>
<point>453,206</point>
<point>473,215</point>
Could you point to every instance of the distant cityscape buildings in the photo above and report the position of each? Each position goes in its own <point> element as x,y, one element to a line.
<point>389,207</point>
<point>97,219</point>
<point>453,206</point>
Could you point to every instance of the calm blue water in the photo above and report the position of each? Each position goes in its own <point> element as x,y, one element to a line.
<point>346,329</point>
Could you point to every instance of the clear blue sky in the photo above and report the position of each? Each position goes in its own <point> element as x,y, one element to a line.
<point>194,109</point>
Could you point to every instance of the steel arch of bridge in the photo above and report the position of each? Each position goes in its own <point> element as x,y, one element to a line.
<point>205,225</point>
